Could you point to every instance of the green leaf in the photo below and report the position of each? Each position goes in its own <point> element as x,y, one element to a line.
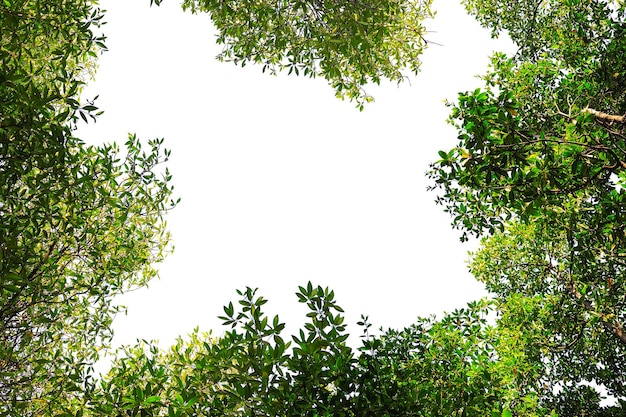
<point>153,399</point>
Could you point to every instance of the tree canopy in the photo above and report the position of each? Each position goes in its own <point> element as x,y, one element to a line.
<point>348,43</point>
<point>80,223</point>
<point>538,174</point>
<point>539,167</point>
<point>460,365</point>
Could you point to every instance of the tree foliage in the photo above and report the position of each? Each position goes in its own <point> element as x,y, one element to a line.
<point>79,224</point>
<point>570,308</point>
<point>75,233</point>
<point>458,366</point>
<point>538,173</point>
<point>348,43</point>
<point>48,51</point>
<point>546,129</point>
<point>540,165</point>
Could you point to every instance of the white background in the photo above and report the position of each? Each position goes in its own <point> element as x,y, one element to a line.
<point>280,182</point>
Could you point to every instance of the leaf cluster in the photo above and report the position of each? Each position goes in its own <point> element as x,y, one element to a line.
<point>538,172</point>
<point>79,224</point>
<point>75,233</point>
<point>348,43</point>
<point>458,366</point>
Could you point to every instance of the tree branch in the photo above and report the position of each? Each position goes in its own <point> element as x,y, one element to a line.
<point>605,116</point>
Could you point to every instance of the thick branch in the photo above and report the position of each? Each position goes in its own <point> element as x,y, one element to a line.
<point>605,116</point>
